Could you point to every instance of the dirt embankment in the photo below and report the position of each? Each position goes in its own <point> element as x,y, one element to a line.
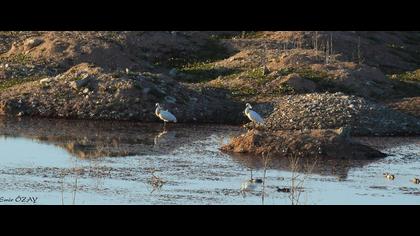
<point>357,63</point>
<point>314,125</point>
<point>111,50</point>
<point>107,75</point>
<point>307,144</point>
<point>88,92</point>
<point>202,76</point>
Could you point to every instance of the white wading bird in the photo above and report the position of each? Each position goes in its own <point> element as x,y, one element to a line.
<point>252,115</point>
<point>164,115</point>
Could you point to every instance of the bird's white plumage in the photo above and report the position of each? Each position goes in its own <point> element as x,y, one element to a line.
<point>164,115</point>
<point>167,116</point>
<point>255,117</point>
<point>252,115</point>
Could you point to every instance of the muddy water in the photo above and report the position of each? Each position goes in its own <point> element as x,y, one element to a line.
<point>78,162</point>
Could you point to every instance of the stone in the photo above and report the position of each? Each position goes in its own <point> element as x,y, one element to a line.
<point>77,84</point>
<point>31,43</point>
<point>45,81</point>
<point>298,83</point>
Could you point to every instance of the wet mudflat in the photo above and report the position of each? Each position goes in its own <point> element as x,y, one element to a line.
<point>92,162</point>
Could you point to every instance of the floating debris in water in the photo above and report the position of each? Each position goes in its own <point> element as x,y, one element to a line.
<point>283,190</point>
<point>389,176</point>
<point>416,181</point>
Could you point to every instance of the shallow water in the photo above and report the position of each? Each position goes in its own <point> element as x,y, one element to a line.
<point>87,162</point>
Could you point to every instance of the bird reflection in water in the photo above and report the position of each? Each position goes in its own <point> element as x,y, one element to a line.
<point>250,184</point>
<point>155,181</point>
<point>165,136</point>
<point>159,136</point>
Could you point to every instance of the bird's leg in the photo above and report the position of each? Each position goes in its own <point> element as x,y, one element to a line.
<point>251,174</point>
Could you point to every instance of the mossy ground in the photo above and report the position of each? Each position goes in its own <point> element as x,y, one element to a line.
<point>8,83</point>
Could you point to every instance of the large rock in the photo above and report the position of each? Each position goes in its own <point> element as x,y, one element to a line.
<point>31,43</point>
<point>298,83</point>
<point>78,84</point>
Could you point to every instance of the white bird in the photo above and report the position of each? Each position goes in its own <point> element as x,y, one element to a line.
<point>164,115</point>
<point>252,115</point>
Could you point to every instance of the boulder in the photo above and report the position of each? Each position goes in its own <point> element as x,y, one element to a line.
<point>77,84</point>
<point>298,83</point>
<point>31,43</point>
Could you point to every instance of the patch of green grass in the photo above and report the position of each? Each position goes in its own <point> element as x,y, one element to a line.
<point>203,72</point>
<point>285,89</point>
<point>222,36</point>
<point>286,71</point>
<point>77,78</point>
<point>321,78</point>
<point>252,34</point>
<point>316,76</point>
<point>306,73</point>
<point>8,83</point>
<point>407,76</point>
<point>244,92</point>
<point>393,45</point>
<point>258,75</point>
<point>242,34</point>
<point>20,59</point>
<point>211,51</point>
<point>404,83</point>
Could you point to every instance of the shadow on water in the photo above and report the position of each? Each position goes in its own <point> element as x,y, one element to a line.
<point>182,164</point>
<point>96,139</point>
<point>321,166</point>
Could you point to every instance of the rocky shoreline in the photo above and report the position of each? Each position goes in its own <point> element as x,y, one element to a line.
<point>303,88</point>
<point>87,92</point>
<point>360,116</point>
